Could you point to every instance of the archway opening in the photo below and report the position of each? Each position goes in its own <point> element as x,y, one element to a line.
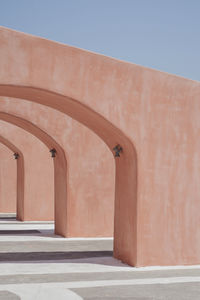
<point>8,183</point>
<point>60,171</point>
<point>91,167</point>
<point>19,201</point>
<point>38,170</point>
<point>125,228</point>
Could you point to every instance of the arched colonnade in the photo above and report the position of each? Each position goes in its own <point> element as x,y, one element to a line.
<point>60,172</point>
<point>125,218</point>
<point>38,73</point>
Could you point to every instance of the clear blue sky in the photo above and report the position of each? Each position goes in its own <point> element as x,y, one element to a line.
<point>161,34</point>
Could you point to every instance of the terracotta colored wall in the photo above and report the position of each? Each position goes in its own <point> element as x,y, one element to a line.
<point>8,180</point>
<point>38,175</point>
<point>157,190</point>
<point>88,161</point>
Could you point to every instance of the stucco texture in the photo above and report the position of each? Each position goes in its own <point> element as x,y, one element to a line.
<point>8,180</point>
<point>152,115</point>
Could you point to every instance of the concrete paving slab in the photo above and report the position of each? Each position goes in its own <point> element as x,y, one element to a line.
<point>40,265</point>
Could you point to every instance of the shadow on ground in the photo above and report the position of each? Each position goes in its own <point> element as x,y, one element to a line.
<point>51,256</point>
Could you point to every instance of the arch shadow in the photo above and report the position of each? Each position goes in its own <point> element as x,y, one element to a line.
<point>20,176</point>
<point>60,171</point>
<point>125,219</point>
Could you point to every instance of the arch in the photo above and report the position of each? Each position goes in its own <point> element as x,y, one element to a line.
<point>60,169</point>
<point>20,176</point>
<point>125,219</point>
<point>74,82</point>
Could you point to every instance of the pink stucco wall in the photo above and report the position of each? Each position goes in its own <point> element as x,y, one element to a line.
<point>88,160</point>
<point>38,178</point>
<point>8,181</point>
<point>154,116</point>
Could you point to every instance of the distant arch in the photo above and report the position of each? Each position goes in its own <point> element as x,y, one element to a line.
<point>60,169</point>
<point>20,176</point>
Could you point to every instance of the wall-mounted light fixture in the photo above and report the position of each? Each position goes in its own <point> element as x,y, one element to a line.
<point>53,152</point>
<point>117,149</point>
<point>16,155</point>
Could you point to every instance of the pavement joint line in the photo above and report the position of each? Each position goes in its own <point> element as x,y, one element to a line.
<point>52,278</point>
<point>104,283</point>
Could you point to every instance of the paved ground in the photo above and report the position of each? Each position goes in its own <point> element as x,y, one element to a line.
<point>36,264</point>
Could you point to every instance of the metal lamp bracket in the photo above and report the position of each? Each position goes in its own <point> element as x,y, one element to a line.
<point>16,155</point>
<point>117,149</point>
<point>53,152</point>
